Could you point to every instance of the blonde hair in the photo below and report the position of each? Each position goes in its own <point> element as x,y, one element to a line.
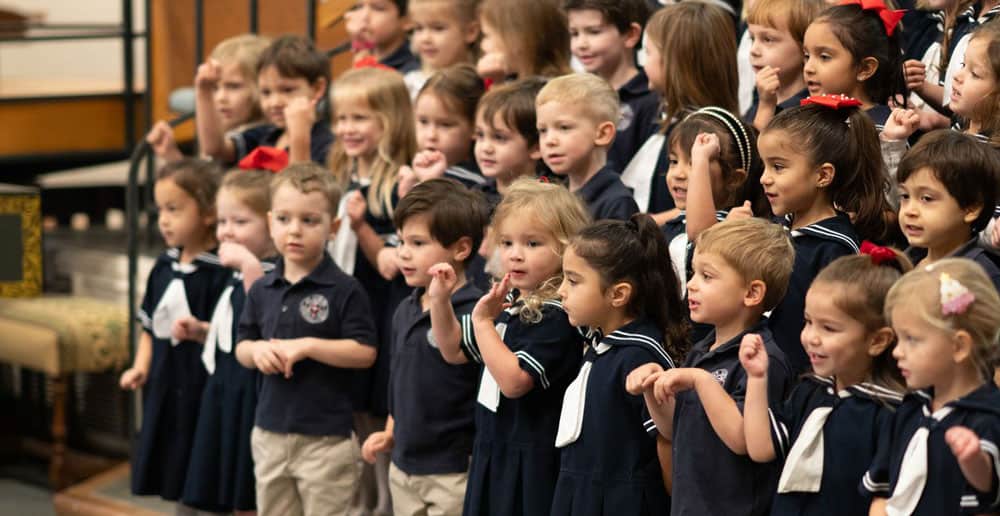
<point>757,249</point>
<point>244,50</point>
<point>919,290</point>
<point>592,95</point>
<point>385,93</point>
<point>465,11</point>
<point>556,211</point>
<point>308,177</point>
<point>251,187</point>
<point>795,15</point>
<point>535,32</point>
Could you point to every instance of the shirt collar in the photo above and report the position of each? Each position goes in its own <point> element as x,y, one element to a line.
<point>733,344</point>
<point>835,229</point>
<point>597,184</point>
<point>640,333</point>
<point>986,398</point>
<point>323,274</point>
<point>637,86</point>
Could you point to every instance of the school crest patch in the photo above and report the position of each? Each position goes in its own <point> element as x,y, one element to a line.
<point>314,309</point>
<point>721,375</point>
<point>431,340</point>
<point>625,117</point>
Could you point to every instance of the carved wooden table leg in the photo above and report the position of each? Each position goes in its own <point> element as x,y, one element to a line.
<point>58,459</point>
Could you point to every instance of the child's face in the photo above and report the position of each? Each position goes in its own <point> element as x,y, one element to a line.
<point>235,96</point>
<point>439,37</point>
<point>829,67</point>
<point>502,152</point>
<point>491,46</point>
<point>837,344</point>
<point>599,46</point>
<point>775,47</point>
<point>300,224</point>
<point>240,224</point>
<point>528,253</point>
<point>715,290</point>
<point>357,128</point>
<point>442,129</point>
<point>680,171</point>
<point>923,351</point>
<point>930,217</point>
<point>277,91</point>
<point>378,22</point>
<point>566,136</point>
<point>418,251</point>
<point>180,220</point>
<point>789,180</point>
<point>654,67</point>
<point>583,297</point>
<point>974,81</point>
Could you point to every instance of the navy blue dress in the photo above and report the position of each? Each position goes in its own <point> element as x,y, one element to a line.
<point>514,460</point>
<point>612,467</point>
<point>172,394</point>
<point>640,117</point>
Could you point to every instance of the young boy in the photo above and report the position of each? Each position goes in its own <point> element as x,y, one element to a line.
<point>430,428</point>
<point>304,325</point>
<point>378,28</point>
<point>576,116</point>
<point>292,77</point>
<point>733,285</point>
<point>603,37</point>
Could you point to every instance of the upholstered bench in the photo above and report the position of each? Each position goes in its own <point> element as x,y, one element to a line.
<point>58,336</point>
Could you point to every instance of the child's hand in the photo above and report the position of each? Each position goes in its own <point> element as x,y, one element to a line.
<point>207,77</point>
<point>741,212</point>
<point>672,381</point>
<point>492,65</point>
<point>356,208</point>
<point>235,256</point>
<point>189,328</point>
<point>753,356</point>
<point>915,73</point>
<point>132,379</point>
<point>161,139</point>
<point>900,125</point>
<point>387,262</point>
<point>443,281</point>
<point>267,358</point>
<point>964,443</point>
<point>300,114</point>
<point>429,164</point>
<point>292,351</point>
<point>635,382</point>
<point>491,304</point>
<point>995,234</point>
<point>705,147</point>
<point>406,180</point>
<point>378,442</point>
<point>768,85</point>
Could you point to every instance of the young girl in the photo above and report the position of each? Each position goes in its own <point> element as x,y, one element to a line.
<point>821,162</point>
<point>186,281</point>
<point>220,474</point>
<point>674,34</point>
<point>616,282</point>
<point>845,404</point>
<point>530,351</point>
<point>445,33</point>
<point>854,51</point>
<point>943,455</point>
<point>522,38</point>
<point>975,95</point>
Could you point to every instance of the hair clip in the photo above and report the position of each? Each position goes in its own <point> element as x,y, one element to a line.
<point>890,18</point>
<point>955,297</point>
<point>831,101</point>
<point>879,254</point>
<point>735,128</point>
<point>266,158</point>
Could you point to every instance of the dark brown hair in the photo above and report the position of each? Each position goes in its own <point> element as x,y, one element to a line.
<point>197,177</point>
<point>455,211</point>
<point>988,109</point>
<point>458,87</point>
<point>295,57</point>
<point>515,103</point>
<point>620,13</point>
<point>533,31</point>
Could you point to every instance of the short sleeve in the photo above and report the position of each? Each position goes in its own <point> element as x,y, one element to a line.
<point>551,349</point>
<point>249,327</point>
<point>468,341</point>
<point>779,378</point>
<point>786,415</point>
<point>356,321</point>
<point>973,501</point>
<point>150,297</point>
<point>875,482</point>
<point>633,358</point>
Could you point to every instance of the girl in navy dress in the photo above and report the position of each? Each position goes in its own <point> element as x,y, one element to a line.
<point>521,39</point>
<point>975,87</point>
<point>848,400</point>
<point>220,473</point>
<point>943,457</point>
<point>530,351</point>
<point>185,283</point>
<point>616,282</point>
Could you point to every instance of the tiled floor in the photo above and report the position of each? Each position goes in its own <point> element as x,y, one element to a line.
<point>17,498</point>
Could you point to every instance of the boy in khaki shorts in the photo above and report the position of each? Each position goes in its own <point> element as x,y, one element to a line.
<point>304,326</point>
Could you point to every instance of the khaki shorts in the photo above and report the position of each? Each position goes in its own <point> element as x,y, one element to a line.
<point>426,495</point>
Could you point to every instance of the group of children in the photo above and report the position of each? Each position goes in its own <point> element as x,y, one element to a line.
<point>519,289</point>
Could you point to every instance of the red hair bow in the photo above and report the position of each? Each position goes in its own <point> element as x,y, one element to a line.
<point>266,158</point>
<point>831,101</point>
<point>890,18</point>
<point>371,62</point>
<point>878,253</point>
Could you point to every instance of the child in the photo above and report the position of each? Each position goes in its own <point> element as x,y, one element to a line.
<point>529,349</point>
<point>943,455</point>
<point>948,186</point>
<point>854,51</point>
<point>777,28</point>
<point>674,34</point>
<point>733,285</point>
<point>616,282</point>
<point>235,101</point>
<point>430,427</point>
<point>604,35</point>
<point>846,404</point>
<point>185,281</point>
<point>576,115</point>
<point>220,473</point>
<point>291,77</point>
<point>378,29</point>
<point>986,12</point>
<point>445,33</point>
<point>975,95</point>
<point>304,326</point>
<point>521,39</point>
<point>813,179</point>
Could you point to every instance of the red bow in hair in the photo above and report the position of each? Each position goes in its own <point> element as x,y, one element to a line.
<point>371,62</point>
<point>266,158</point>
<point>890,18</point>
<point>831,101</point>
<point>878,253</point>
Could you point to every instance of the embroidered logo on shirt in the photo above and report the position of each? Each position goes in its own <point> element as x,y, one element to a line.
<point>625,117</point>
<point>721,375</point>
<point>314,309</point>
<point>431,340</point>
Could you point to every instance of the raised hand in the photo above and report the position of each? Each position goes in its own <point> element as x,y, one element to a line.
<point>768,85</point>
<point>234,256</point>
<point>493,302</point>
<point>300,114</point>
<point>206,79</point>
<point>900,124</point>
<point>672,381</point>
<point>753,356</point>
<point>356,208</point>
<point>741,212</point>
<point>161,139</point>
<point>635,382</point>
<point>705,147</point>
<point>915,73</point>
<point>443,281</point>
<point>429,164</point>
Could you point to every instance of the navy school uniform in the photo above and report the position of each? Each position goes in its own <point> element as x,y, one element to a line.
<point>610,466</point>
<point>879,115</point>
<point>402,59</point>
<point>815,245</point>
<point>326,304</point>
<point>431,401</point>
<point>973,250</point>
<point>172,394</point>
<point>467,173</point>
<point>860,416</point>
<point>320,140</point>
<point>607,197</point>
<point>790,102</point>
<point>708,477</point>
<point>514,461</point>
<point>220,473</point>
<point>946,490</point>
<point>640,110</point>
<point>646,173</point>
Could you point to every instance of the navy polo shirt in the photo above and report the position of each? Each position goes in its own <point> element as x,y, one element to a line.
<point>607,197</point>
<point>431,401</point>
<point>816,245</point>
<point>467,173</point>
<point>326,304</point>
<point>790,102</point>
<point>320,139</point>
<point>946,490</point>
<point>973,250</point>
<point>879,114</point>
<point>708,477</point>
<point>640,110</point>
<point>402,59</point>
<point>853,432</point>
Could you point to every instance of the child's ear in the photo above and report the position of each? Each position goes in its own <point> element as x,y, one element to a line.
<point>461,248</point>
<point>535,152</point>
<point>963,346</point>
<point>605,134</point>
<point>972,213</point>
<point>880,341</point>
<point>632,35</point>
<point>620,294</point>
<point>471,32</point>
<point>825,174</point>
<point>736,179</point>
<point>334,225</point>
<point>754,294</point>
<point>867,68</point>
<point>318,89</point>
